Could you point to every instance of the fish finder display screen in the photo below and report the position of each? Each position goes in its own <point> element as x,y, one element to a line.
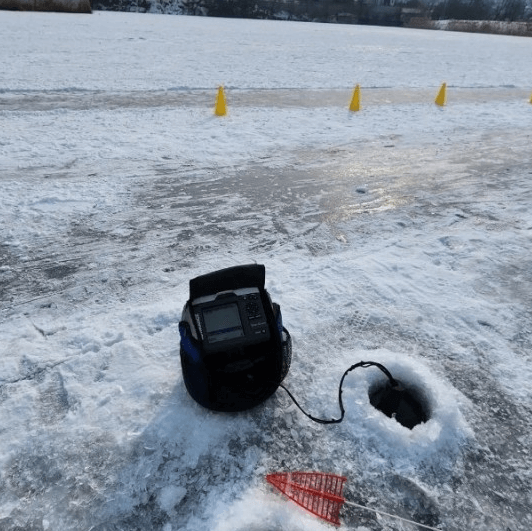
<point>223,323</point>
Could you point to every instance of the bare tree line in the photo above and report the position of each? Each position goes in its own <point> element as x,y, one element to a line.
<point>412,13</point>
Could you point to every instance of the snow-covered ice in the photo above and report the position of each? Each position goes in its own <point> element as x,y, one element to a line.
<point>399,234</point>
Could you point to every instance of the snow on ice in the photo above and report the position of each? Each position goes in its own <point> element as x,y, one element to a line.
<point>398,234</point>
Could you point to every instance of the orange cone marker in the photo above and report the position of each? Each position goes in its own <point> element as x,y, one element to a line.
<point>441,98</point>
<point>355,100</point>
<point>220,108</point>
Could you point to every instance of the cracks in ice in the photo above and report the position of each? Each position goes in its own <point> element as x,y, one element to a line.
<point>35,372</point>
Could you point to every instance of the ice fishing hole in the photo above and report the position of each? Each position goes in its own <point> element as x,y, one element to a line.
<point>405,403</point>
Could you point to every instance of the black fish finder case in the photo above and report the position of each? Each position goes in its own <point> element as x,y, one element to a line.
<point>234,349</point>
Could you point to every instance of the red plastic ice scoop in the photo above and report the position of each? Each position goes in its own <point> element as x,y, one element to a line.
<point>321,494</point>
<point>318,493</point>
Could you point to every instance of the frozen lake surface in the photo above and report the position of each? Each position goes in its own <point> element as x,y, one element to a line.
<point>399,234</point>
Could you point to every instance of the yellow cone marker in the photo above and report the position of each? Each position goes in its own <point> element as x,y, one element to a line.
<point>220,108</point>
<point>530,100</point>
<point>441,98</point>
<point>355,100</point>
